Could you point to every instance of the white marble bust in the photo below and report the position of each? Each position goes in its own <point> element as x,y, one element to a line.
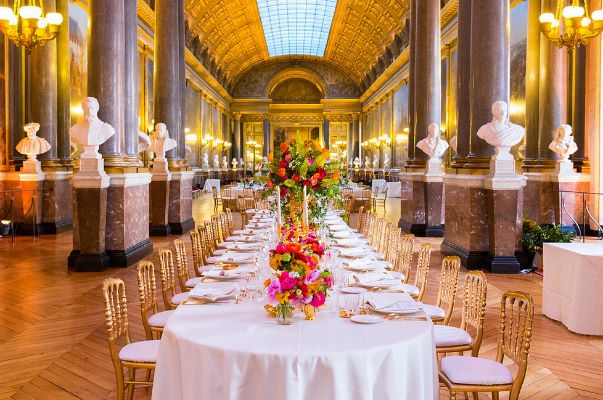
<point>367,162</point>
<point>161,142</point>
<point>376,161</point>
<point>205,161</point>
<point>224,162</point>
<point>500,133</point>
<point>564,144</point>
<point>386,161</point>
<point>216,161</point>
<point>32,145</point>
<point>92,131</point>
<point>144,141</point>
<point>433,145</point>
<point>357,162</point>
<point>234,163</point>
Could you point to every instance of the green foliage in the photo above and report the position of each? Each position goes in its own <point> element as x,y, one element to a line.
<point>534,235</point>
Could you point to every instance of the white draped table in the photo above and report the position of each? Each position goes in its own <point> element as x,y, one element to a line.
<point>573,283</point>
<point>209,183</point>
<point>235,351</point>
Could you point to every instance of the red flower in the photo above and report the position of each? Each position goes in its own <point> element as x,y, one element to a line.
<point>269,184</point>
<point>282,172</point>
<point>296,178</point>
<point>283,191</point>
<point>284,147</point>
<point>283,164</point>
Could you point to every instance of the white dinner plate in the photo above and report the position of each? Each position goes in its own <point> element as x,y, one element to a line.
<point>399,312</point>
<point>353,290</point>
<point>366,319</point>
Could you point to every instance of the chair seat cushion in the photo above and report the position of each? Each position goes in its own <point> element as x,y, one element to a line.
<point>433,311</point>
<point>475,371</point>
<point>191,283</point>
<point>411,290</point>
<point>159,319</point>
<point>219,252</point>
<point>179,298</point>
<point>446,336</point>
<point>145,351</point>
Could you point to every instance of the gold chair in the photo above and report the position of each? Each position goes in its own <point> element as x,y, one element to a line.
<point>449,279</point>
<point>197,250</point>
<point>450,339</point>
<point>153,320</point>
<point>217,198</point>
<point>461,374</point>
<point>184,280</point>
<point>125,353</point>
<point>360,223</point>
<point>417,290</point>
<point>171,299</point>
<point>379,197</point>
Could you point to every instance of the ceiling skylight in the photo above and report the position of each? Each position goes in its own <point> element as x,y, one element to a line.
<point>296,26</point>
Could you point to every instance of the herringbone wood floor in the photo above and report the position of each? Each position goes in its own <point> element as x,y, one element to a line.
<point>53,343</point>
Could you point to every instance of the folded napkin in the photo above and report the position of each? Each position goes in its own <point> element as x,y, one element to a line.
<point>352,251</point>
<point>213,291</point>
<point>348,242</point>
<point>232,257</point>
<point>343,234</point>
<point>391,302</point>
<point>250,231</point>
<point>366,264</point>
<point>246,247</point>
<point>242,238</point>
<point>217,272</point>
<point>339,228</point>
<point>376,278</point>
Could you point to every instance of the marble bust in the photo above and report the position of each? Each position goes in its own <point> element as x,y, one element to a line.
<point>92,131</point>
<point>234,163</point>
<point>386,161</point>
<point>500,132</point>
<point>205,161</point>
<point>241,163</point>
<point>357,162</point>
<point>144,141</point>
<point>376,161</point>
<point>367,162</point>
<point>216,162</point>
<point>433,145</point>
<point>564,144</point>
<point>224,162</point>
<point>161,142</point>
<point>32,145</point>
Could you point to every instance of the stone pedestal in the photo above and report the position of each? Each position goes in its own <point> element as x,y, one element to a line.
<point>180,212</point>
<point>127,232</point>
<point>421,202</point>
<point>89,222</point>
<point>159,201</point>
<point>57,202</point>
<point>30,215</point>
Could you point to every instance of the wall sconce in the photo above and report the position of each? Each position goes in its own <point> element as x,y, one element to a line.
<point>5,226</point>
<point>190,138</point>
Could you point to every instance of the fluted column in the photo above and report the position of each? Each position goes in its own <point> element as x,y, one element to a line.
<point>106,66</point>
<point>411,82</point>
<point>266,126</point>
<point>63,86</point>
<point>167,90</point>
<point>533,67</point>
<point>326,125</point>
<point>355,136</point>
<point>576,105</point>
<point>463,98</point>
<point>43,93</point>
<point>182,80</point>
<point>490,70</point>
<point>131,81</point>
<point>237,142</point>
<point>427,105</point>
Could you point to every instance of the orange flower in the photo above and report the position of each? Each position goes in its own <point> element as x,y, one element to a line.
<point>282,172</point>
<point>284,147</point>
<point>336,175</point>
<point>270,157</point>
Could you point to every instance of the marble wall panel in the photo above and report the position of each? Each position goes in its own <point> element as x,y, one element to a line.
<point>466,218</point>
<point>505,221</point>
<point>159,201</point>
<point>127,216</point>
<point>89,225</point>
<point>57,203</point>
<point>181,201</point>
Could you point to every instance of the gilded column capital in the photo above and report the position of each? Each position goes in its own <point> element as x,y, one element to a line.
<point>237,116</point>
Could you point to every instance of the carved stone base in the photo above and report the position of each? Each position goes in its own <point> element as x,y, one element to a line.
<point>89,225</point>
<point>79,262</point>
<point>504,264</point>
<point>57,202</point>
<point>159,193</point>
<point>180,228</point>
<point>505,209</point>
<point>127,257</point>
<point>469,259</point>
<point>160,230</point>
<point>421,203</point>
<point>180,213</point>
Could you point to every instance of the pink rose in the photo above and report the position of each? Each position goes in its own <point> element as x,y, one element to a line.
<point>318,299</point>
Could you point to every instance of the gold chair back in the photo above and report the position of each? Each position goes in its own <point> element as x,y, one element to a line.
<point>516,318</point>
<point>404,265</point>
<point>474,306</point>
<point>422,269</point>
<point>181,264</point>
<point>147,290</point>
<point>168,282</point>
<point>116,313</point>
<point>197,249</point>
<point>361,218</point>
<point>215,226</point>
<point>449,280</point>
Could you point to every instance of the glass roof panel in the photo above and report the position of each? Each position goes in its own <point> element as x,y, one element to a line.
<point>296,26</point>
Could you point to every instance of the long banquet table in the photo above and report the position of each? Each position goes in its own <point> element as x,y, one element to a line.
<point>236,351</point>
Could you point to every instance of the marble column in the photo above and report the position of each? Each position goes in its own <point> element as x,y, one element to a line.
<point>326,125</point>
<point>237,143</point>
<point>534,40</point>
<point>490,76</point>
<point>577,107</point>
<point>411,82</point>
<point>131,82</point>
<point>355,137</point>
<point>422,189</point>
<point>167,91</point>
<point>63,88</point>
<point>43,93</point>
<point>182,82</point>
<point>15,109</point>
<point>267,136</point>
<point>463,96</point>
<point>106,64</point>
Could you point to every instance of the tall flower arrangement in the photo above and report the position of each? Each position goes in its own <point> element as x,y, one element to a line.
<point>300,164</point>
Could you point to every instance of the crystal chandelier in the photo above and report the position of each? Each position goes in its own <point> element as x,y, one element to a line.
<point>579,24</point>
<point>26,25</point>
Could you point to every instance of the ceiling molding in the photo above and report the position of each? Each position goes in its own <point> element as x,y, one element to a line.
<point>299,73</point>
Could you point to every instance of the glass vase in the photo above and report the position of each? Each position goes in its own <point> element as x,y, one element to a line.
<point>284,314</point>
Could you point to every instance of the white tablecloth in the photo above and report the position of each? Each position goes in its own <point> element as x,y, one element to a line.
<point>393,188</point>
<point>573,286</point>
<point>209,183</point>
<point>235,351</point>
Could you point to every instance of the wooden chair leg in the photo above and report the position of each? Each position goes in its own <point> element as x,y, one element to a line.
<point>131,377</point>
<point>494,395</point>
<point>452,395</point>
<point>119,376</point>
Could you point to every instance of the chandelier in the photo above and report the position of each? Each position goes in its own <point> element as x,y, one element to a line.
<point>579,24</point>
<point>26,25</point>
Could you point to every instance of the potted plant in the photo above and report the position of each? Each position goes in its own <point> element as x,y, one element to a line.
<point>535,235</point>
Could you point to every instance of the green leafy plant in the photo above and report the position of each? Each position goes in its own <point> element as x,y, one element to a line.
<point>534,235</point>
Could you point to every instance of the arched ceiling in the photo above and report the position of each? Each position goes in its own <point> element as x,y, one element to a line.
<point>231,34</point>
